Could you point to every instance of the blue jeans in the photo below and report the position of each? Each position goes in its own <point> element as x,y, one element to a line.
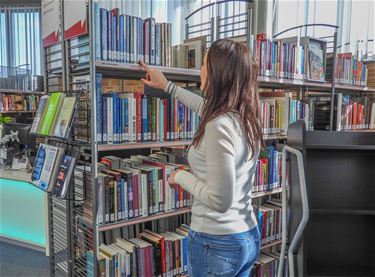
<point>222,255</point>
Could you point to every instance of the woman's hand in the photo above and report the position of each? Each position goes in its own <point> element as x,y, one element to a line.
<point>154,77</point>
<point>171,179</point>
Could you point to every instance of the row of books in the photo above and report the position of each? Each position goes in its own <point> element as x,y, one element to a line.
<point>150,254</point>
<point>353,113</point>
<point>268,173</point>
<point>291,58</point>
<point>276,113</point>
<point>269,221</point>
<point>54,115</point>
<point>350,70</point>
<point>53,170</point>
<point>138,187</point>
<point>126,38</point>
<point>132,117</point>
<point>17,102</point>
<point>267,265</point>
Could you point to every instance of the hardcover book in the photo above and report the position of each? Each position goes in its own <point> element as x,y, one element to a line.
<point>52,110</point>
<point>65,117</point>
<point>43,103</point>
<point>64,176</point>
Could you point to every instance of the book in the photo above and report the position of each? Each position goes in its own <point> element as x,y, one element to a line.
<point>136,117</point>
<point>316,62</point>
<point>52,110</point>
<point>151,253</point>
<point>47,166</point>
<point>43,103</point>
<point>126,38</point>
<point>64,176</point>
<point>65,117</point>
<point>196,51</point>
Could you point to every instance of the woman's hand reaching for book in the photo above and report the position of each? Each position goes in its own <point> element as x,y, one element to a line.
<point>171,179</point>
<point>154,78</point>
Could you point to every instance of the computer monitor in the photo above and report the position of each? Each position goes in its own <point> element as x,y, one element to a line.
<point>23,132</point>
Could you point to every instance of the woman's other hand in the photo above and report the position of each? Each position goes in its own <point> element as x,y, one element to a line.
<point>154,77</point>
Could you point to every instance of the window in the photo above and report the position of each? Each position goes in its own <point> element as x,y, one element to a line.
<point>20,38</point>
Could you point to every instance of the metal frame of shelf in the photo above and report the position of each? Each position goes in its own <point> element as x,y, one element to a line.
<point>16,91</point>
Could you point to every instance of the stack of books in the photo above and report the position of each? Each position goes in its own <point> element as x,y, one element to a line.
<point>54,115</point>
<point>17,102</point>
<point>354,113</point>
<point>278,110</point>
<point>150,254</point>
<point>53,170</point>
<point>350,70</point>
<point>298,58</point>
<point>266,265</point>
<point>125,38</point>
<point>138,117</point>
<point>269,221</point>
<point>268,173</point>
<point>137,187</point>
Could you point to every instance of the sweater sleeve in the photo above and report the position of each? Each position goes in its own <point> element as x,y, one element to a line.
<point>188,98</point>
<point>217,192</point>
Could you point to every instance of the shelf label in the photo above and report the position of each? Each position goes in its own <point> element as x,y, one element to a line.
<point>75,24</point>
<point>50,22</point>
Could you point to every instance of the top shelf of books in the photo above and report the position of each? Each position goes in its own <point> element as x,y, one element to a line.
<point>135,71</point>
<point>117,69</point>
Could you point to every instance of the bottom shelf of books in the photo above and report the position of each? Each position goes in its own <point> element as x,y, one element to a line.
<point>143,223</point>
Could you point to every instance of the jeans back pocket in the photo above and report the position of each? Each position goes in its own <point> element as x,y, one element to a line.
<point>221,259</point>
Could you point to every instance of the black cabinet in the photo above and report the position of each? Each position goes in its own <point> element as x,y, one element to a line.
<point>339,239</point>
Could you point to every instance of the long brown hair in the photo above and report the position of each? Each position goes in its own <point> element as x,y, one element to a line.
<point>231,86</point>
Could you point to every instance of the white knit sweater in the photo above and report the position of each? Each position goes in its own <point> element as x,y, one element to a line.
<point>222,174</point>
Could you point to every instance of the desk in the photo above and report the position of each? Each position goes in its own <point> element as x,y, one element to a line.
<point>23,210</point>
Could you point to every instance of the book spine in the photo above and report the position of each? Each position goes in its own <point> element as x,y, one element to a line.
<point>119,200</point>
<point>103,34</point>
<point>110,119</point>
<point>152,41</point>
<point>121,38</point>
<point>126,115</point>
<point>138,98</point>
<point>123,121</point>
<point>134,119</point>
<point>136,195</point>
<point>144,119</point>
<point>130,196</point>
<point>99,109</point>
<point>123,198</point>
<point>97,20</point>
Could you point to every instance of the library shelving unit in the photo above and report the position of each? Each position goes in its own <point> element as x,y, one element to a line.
<point>72,65</point>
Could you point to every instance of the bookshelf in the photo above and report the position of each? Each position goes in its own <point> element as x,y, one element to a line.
<point>72,63</point>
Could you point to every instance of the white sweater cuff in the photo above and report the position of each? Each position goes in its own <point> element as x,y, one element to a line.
<point>185,179</point>
<point>170,87</point>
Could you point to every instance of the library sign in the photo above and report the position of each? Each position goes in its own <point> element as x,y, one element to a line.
<point>50,22</point>
<point>75,22</point>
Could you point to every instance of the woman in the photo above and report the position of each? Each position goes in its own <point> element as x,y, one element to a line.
<point>224,239</point>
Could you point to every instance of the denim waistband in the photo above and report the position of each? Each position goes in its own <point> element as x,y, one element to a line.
<point>253,232</point>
